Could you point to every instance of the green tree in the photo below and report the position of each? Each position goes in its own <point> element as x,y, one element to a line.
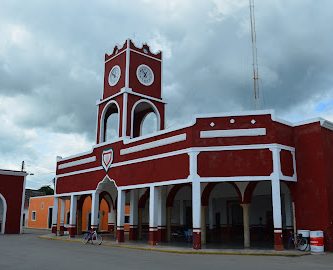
<point>47,189</point>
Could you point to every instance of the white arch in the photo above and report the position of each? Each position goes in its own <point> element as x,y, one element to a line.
<point>158,116</point>
<point>4,214</point>
<point>101,122</point>
<point>109,185</point>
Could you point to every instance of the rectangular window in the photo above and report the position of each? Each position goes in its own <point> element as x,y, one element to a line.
<point>33,216</point>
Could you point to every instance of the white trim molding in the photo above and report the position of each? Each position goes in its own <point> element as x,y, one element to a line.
<point>183,151</point>
<point>77,162</point>
<point>22,204</point>
<point>4,214</point>
<point>77,193</point>
<point>74,156</point>
<point>232,133</point>
<point>154,144</point>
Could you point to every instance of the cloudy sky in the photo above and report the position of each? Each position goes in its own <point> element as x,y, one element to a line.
<point>52,53</point>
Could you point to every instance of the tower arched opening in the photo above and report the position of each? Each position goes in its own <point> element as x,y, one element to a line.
<point>110,122</point>
<point>145,118</point>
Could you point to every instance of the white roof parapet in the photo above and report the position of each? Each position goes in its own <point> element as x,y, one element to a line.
<point>11,172</point>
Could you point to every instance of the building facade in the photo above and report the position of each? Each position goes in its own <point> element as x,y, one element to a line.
<point>245,177</point>
<point>12,186</point>
<point>41,210</point>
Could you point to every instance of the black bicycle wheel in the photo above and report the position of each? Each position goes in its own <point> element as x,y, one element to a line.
<point>97,239</point>
<point>85,238</point>
<point>303,244</point>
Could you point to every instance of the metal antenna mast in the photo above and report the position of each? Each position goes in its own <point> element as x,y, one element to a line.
<point>254,57</point>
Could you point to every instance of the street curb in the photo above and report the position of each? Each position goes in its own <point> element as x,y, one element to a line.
<point>175,251</point>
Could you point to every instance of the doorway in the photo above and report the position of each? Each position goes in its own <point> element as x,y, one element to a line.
<point>49,219</point>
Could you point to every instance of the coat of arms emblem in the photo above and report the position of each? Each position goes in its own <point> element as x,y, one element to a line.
<point>107,158</point>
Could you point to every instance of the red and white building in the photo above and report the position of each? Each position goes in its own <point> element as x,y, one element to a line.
<point>229,177</point>
<point>12,187</point>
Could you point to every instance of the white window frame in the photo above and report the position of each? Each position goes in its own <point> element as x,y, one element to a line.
<point>32,216</point>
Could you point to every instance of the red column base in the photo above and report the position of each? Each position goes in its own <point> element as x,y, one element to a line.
<point>152,240</point>
<point>161,234</point>
<point>61,230</point>
<point>278,244</point>
<point>133,233</point>
<point>196,239</point>
<point>54,229</point>
<point>72,231</point>
<point>120,235</point>
<point>111,228</point>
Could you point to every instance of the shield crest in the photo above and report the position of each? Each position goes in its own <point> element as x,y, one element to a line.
<point>107,158</point>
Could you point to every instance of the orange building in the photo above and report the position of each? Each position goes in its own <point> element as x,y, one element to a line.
<point>41,209</point>
<point>40,212</point>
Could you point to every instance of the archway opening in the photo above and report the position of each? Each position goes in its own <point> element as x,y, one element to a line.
<point>3,212</point>
<point>143,215</point>
<point>149,124</point>
<point>224,215</point>
<point>110,123</point>
<point>179,204</point>
<point>146,119</point>
<point>261,216</point>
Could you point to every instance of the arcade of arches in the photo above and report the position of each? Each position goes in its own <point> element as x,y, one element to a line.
<point>232,214</point>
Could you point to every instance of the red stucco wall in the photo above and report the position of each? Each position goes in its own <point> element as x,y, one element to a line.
<point>11,187</point>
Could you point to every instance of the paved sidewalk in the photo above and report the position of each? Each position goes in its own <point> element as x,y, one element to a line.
<point>184,250</point>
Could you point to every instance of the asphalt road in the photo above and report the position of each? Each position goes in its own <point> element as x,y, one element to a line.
<point>29,252</point>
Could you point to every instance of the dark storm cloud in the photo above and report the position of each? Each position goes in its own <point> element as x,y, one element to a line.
<point>52,53</point>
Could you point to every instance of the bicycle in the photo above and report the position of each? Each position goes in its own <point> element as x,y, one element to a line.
<point>93,237</point>
<point>299,242</point>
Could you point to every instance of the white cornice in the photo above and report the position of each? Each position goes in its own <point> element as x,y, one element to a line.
<point>14,173</point>
<point>76,155</point>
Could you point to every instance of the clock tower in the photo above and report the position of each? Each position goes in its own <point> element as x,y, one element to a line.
<point>132,90</point>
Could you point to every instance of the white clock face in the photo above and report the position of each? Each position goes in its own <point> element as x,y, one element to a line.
<point>145,75</point>
<point>114,75</point>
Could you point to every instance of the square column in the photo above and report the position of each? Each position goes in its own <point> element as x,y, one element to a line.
<point>277,215</point>
<point>246,224</point>
<point>154,195</point>
<point>94,210</point>
<point>72,216</point>
<point>134,199</point>
<point>168,223</point>
<point>211,214</point>
<point>111,220</point>
<point>181,212</point>
<point>276,199</point>
<point>161,218</point>
<point>196,199</point>
<point>120,216</point>
<point>62,217</point>
<point>55,215</point>
<point>203,224</point>
<point>196,213</point>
